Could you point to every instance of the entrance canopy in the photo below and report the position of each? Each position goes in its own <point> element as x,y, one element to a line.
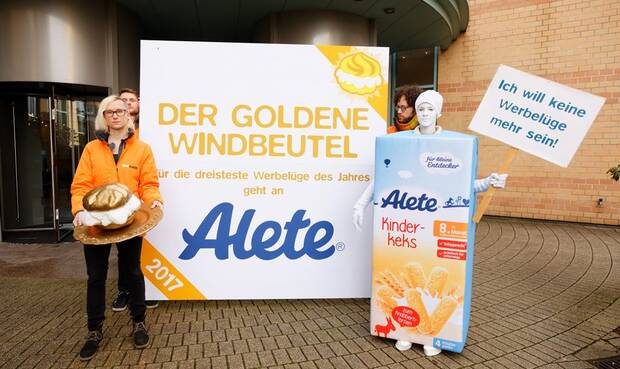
<point>399,24</point>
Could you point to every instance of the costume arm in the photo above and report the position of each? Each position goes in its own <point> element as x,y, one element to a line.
<point>366,197</point>
<point>495,180</point>
<point>360,205</point>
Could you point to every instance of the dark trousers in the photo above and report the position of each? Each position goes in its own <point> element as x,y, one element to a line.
<point>97,269</point>
<point>123,276</point>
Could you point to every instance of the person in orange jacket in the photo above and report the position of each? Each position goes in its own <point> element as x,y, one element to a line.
<point>115,156</point>
<point>404,111</point>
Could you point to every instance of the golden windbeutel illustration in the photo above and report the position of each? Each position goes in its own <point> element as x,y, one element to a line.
<point>359,74</point>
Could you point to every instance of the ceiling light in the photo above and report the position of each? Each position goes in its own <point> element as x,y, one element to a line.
<point>389,10</point>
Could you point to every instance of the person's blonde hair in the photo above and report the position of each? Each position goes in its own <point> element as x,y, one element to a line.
<point>100,123</point>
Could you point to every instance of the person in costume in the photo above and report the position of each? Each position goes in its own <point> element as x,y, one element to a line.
<point>428,106</point>
<point>116,156</point>
<point>427,109</point>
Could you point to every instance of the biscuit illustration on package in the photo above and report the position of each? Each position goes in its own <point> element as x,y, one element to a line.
<point>437,281</point>
<point>457,293</point>
<point>385,298</point>
<point>442,313</point>
<point>417,292</point>
<point>414,300</point>
<point>359,74</point>
<point>387,278</point>
<point>413,275</point>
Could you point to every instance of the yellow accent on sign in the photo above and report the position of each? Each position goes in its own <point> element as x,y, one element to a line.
<point>356,72</point>
<point>165,276</point>
<point>334,53</point>
<point>379,101</point>
<point>359,74</point>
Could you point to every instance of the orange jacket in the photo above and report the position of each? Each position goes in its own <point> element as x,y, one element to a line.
<point>397,127</point>
<point>135,168</point>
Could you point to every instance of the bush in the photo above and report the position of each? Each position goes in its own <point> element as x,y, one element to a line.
<point>614,172</point>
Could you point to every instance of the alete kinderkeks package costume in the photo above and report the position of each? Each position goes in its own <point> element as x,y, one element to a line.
<point>423,237</point>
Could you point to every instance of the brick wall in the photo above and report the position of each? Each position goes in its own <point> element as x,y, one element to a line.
<point>573,42</point>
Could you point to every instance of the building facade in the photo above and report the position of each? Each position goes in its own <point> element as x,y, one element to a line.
<point>572,42</point>
<point>59,58</point>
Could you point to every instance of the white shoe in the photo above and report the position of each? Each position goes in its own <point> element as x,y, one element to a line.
<point>403,345</point>
<point>431,351</point>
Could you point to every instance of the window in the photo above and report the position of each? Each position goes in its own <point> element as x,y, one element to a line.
<point>417,67</point>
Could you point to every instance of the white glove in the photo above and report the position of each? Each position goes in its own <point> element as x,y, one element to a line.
<point>78,220</point>
<point>358,218</point>
<point>495,180</point>
<point>360,205</point>
<point>84,218</point>
<point>498,180</point>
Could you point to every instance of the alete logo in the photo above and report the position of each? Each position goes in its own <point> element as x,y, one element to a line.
<point>405,202</point>
<point>264,238</point>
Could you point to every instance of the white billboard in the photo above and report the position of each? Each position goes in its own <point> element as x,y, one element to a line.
<point>262,150</point>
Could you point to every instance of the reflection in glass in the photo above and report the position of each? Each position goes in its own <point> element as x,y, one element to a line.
<point>415,67</point>
<point>91,114</point>
<point>64,158</point>
<point>43,132</point>
<point>71,136</point>
<point>26,162</point>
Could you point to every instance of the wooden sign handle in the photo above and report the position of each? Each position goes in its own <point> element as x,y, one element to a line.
<point>486,200</point>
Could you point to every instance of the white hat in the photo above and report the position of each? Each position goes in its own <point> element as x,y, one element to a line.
<point>432,97</point>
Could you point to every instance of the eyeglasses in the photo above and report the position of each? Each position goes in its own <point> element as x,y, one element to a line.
<point>118,112</point>
<point>402,108</point>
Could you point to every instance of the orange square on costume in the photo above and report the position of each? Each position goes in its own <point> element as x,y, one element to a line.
<point>442,228</point>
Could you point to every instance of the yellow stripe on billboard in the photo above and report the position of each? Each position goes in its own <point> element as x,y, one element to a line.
<point>165,276</point>
<point>359,73</point>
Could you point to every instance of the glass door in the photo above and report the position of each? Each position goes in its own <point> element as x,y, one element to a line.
<point>72,118</point>
<point>26,155</point>
<point>43,130</point>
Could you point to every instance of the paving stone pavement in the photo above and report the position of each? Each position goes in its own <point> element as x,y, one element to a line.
<point>545,295</point>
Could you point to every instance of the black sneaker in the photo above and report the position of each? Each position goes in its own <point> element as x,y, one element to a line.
<point>91,345</point>
<point>140,335</point>
<point>150,304</point>
<point>121,301</point>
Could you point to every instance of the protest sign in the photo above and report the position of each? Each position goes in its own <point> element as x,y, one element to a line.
<point>536,115</point>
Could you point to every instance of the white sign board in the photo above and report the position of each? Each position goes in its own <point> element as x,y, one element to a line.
<point>262,150</point>
<point>533,114</point>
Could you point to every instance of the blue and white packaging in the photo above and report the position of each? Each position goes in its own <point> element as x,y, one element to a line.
<point>423,237</point>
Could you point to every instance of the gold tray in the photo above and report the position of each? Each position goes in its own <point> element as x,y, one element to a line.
<point>145,219</point>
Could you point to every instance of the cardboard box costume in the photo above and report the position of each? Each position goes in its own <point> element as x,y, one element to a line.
<point>423,237</point>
